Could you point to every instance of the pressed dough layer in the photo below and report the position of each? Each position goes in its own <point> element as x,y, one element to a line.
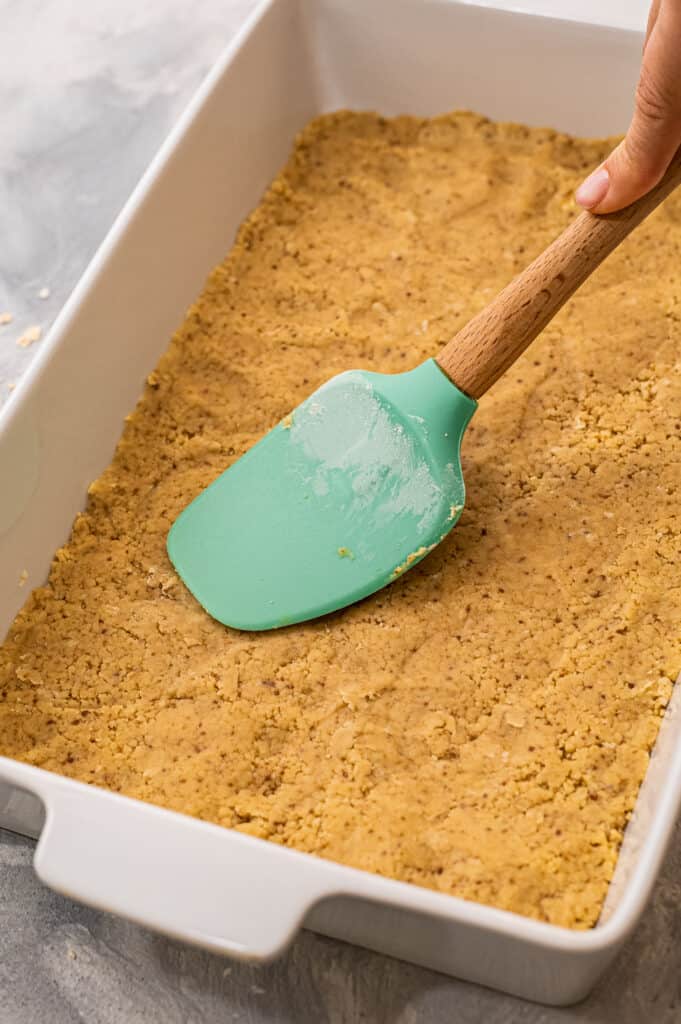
<point>482,726</point>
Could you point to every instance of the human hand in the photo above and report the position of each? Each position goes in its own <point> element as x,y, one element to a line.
<point>654,135</point>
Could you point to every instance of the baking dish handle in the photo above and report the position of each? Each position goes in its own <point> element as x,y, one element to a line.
<point>225,891</point>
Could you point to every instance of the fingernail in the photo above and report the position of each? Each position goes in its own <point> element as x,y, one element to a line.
<point>594,190</point>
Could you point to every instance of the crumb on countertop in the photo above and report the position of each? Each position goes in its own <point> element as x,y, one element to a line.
<point>30,335</point>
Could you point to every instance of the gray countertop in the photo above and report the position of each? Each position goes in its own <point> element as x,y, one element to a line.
<point>87,93</point>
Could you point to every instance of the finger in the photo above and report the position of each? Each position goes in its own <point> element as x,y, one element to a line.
<point>638,163</point>
<point>652,19</point>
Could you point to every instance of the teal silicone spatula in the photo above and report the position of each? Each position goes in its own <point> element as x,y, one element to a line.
<point>364,478</point>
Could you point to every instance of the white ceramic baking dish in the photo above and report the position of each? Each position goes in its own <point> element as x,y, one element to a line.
<point>201,883</point>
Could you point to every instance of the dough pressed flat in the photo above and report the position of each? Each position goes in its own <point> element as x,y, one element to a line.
<point>498,756</point>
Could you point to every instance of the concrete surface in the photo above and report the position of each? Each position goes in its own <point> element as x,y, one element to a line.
<point>87,93</point>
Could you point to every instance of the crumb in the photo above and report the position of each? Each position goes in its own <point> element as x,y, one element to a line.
<point>345,553</point>
<point>30,335</point>
<point>410,559</point>
<point>44,293</point>
<point>5,318</point>
<point>287,421</point>
<point>23,577</point>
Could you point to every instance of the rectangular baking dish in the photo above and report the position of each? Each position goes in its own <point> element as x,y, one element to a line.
<point>211,886</point>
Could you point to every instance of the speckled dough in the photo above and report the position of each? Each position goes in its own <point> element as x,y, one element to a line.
<point>482,726</point>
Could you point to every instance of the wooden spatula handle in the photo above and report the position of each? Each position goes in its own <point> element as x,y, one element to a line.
<point>489,343</point>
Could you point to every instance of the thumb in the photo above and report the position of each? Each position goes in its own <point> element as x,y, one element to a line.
<point>641,159</point>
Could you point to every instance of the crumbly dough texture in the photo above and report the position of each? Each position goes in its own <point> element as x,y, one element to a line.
<point>480,727</point>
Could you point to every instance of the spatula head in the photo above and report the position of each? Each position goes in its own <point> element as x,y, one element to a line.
<point>341,498</point>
